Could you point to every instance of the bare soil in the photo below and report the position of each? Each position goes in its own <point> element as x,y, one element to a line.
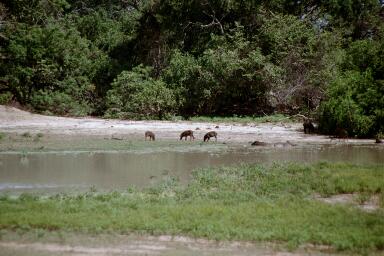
<point>112,244</point>
<point>13,120</point>
<point>368,204</point>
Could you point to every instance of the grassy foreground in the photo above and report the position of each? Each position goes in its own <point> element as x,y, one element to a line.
<point>247,202</point>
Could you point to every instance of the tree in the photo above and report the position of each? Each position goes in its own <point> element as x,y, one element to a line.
<point>231,77</point>
<point>355,99</point>
<point>307,61</point>
<point>50,61</point>
<point>135,94</point>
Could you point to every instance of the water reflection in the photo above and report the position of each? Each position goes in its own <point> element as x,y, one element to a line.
<point>116,170</point>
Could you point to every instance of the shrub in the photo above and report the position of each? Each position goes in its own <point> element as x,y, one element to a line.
<point>135,94</point>
<point>60,103</point>
<point>52,68</point>
<point>355,103</point>
<point>5,98</point>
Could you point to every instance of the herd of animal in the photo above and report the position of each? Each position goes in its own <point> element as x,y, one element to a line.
<point>185,134</point>
<point>308,128</point>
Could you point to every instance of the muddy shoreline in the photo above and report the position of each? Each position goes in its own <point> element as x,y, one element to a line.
<point>24,133</point>
<point>16,122</point>
<point>54,243</point>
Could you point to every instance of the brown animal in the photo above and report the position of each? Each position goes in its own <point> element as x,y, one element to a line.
<point>209,135</point>
<point>308,126</point>
<point>284,144</point>
<point>150,135</point>
<point>341,133</point>
<point>186,134</point>
<point>258,143</point>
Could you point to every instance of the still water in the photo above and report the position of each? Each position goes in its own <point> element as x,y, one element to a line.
<point>53,172</point>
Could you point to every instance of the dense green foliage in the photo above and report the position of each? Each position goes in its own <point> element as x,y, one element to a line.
<point>356,96</point>
<point>136,94</point>
<point>206,57</point>
<point>248,202</point>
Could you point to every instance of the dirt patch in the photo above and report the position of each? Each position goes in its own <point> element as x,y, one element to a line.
<point>366,203</point>
<point>77,244</point>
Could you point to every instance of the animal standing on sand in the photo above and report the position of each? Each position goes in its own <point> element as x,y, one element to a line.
<point>209,135</point>
<point>150,135</point>
<point>308,127</point>
<point>258,143</point>
<point>341,133</point>
<point>186,134</point>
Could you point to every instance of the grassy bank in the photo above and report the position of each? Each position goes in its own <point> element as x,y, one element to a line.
<point>28,142</point>
<point>248,202</point>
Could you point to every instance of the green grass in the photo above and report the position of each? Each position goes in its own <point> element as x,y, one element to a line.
<point>247,202</point>
<point>243,119</point>
<point>92,143</point>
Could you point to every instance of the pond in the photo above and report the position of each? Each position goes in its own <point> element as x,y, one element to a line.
<point>78,171</point>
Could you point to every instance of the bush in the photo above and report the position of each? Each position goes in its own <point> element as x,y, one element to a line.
<point>52,68</point>
<point>135,94</point>
<point>232,77</point>
<point>59,103</point>
<point>5,98</point>
<point>355,103</point>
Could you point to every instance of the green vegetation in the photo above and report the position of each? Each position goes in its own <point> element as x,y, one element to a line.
<point>356,101</point>
<point>5,98</point>
<point>158,58</point>
<point>86,143</point>
<point>247,202</point>
<point>135,94</point>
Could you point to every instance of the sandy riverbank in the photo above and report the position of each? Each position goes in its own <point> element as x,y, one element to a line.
<point>13,120</point>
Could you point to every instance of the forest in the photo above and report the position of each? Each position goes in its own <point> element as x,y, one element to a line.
<point>160,59</point>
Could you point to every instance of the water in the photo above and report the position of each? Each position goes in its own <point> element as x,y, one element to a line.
<point>118,170</point>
